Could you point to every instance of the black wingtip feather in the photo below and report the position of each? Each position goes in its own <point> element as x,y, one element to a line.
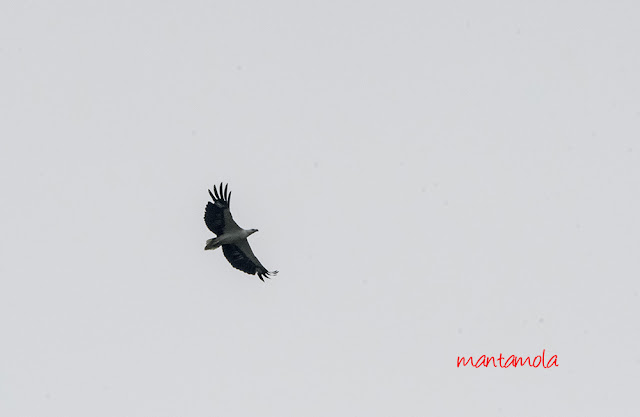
<point>267,274</point>
<point>221,194</point>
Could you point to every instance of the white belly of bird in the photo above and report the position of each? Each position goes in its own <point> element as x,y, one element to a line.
<point>230,238</point>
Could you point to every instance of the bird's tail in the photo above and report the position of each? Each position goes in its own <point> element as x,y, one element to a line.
<point>212,244</point>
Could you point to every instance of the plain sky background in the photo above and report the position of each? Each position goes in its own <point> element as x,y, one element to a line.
<point>432,179</point>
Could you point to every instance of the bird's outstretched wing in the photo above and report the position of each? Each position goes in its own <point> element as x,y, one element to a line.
<point>241,257</point>
<point>217,215</point>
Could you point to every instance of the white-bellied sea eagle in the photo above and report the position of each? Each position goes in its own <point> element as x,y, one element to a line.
<point>231,237</point>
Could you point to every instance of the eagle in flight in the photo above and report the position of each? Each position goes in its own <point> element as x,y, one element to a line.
<point>231,237</point>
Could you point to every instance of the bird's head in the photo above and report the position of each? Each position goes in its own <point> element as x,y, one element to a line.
<point>252,231</point>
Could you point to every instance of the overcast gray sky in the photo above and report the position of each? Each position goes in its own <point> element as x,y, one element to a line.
<point>432,179</point>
